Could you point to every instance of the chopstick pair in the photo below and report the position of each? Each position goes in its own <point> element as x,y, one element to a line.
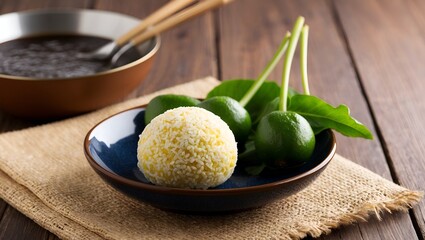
<point>155,23</point>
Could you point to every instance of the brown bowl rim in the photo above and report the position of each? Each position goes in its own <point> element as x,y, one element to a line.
<point>184,191</point>
<point>147,56</point>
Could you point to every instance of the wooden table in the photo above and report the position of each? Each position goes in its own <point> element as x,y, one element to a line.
<point>369,54</point>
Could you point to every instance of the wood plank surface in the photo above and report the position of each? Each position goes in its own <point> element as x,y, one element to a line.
<point>14,225</point>
<point>390,61</point>
<point>331,74</point>
<point>3,207</point>
<point>359,55</point>
<point>7,6</point>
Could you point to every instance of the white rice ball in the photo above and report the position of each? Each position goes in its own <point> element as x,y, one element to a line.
<point>187,147</point>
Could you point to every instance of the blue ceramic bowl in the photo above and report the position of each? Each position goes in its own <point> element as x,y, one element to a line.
<point>111,149</point>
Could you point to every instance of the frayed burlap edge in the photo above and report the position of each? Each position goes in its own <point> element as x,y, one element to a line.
<point>402,202</point>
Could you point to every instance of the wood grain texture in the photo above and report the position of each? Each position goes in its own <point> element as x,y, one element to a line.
<point>3,206</point>
<point>362,230</point>
<point>387,39</point>
<point>53,237</point>
<point>21,5</point>
<point>187,51</point>
<point>244,53</point>
<point>10,123</point>
<point>14,225</point>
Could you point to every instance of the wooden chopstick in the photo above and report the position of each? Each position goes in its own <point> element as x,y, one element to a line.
<point>178,18</point>
<point>160,14</point>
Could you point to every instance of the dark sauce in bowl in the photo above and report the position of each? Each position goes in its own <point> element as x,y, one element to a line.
<point>48,57</point>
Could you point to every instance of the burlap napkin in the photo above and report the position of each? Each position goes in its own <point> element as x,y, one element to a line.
<point>45,175</point>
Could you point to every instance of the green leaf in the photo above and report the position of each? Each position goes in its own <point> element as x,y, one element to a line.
<point>248,155</point>
<point>270,107</point>
<point>322,115</point>
<point>237,88</point>
<point>249,160</point>
<point>255,170</point>
<point>273,105</point>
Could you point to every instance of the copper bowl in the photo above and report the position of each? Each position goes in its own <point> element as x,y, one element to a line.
<point>61,97</point>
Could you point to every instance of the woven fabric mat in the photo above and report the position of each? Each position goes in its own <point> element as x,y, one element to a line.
<point>44,174</point>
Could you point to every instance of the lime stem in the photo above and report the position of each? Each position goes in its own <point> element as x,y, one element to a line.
<point>295,35</point>
<point>303,59</point>
<point>266,72</point>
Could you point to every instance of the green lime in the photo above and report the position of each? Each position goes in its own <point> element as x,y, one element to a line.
<point>162,103</point>
<point>284,139</point>
<point>231,112</point>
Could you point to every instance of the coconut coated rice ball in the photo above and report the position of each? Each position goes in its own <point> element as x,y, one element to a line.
<point>187,147</point>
